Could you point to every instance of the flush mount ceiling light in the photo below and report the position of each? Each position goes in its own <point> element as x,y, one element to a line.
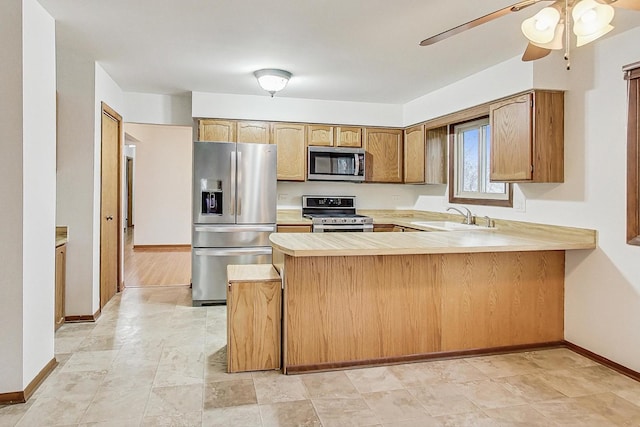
<point>272,80</point>
<point>590,20</point>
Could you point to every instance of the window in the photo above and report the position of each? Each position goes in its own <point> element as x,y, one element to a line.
<point>469,165</point>
<point>632,75</point>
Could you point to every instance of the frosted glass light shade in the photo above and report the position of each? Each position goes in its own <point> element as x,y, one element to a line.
<point>272,80</point>
<point>582,40</point>
<point>541,28</point>
<point>591,19</point>
<point>556,42</point>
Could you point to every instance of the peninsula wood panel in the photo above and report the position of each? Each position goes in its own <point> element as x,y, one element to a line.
<point>340,309</point>
<point>253,316</point>
<point>346,311</point>
<point>414,155</point>
<point>216,130</point>
<point>502,299</point>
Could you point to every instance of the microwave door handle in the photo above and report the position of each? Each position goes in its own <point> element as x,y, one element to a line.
<point>357,168</point>
<point>232,202</point>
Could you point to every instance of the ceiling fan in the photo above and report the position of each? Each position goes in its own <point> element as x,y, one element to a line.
<point>591,19</point>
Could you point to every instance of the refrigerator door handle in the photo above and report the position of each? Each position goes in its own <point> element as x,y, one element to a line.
<point>232,201</point>
<point>234,229</point>
<point>239,207</point>
<point>232,252</point>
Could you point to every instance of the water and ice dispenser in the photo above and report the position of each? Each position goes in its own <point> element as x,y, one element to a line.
<point>211,197</point>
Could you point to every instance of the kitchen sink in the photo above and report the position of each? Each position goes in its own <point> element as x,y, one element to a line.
<point>449,225</point>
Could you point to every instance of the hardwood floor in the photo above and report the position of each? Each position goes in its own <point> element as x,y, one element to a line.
<point>155,267</point>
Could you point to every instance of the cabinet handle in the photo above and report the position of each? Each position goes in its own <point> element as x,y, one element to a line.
<point>109,218</point>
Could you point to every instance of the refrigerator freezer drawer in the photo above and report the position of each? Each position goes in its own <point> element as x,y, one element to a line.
<point>209,270</point>
<point>236,236</point>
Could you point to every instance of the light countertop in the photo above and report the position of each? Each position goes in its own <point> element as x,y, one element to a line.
<point>508,236</point>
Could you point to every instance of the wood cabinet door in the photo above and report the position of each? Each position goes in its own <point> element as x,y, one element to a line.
<point>414,155</point>
<point>290,139</point>
<point>216,130</point>
<point>253,132</point>
<point>511,139</point>
<point>253,316</point>
<point>384,155</point>
<point>60,283</point>
<point>348,136</point>
<point>320,135</point>
<point>436,154</point>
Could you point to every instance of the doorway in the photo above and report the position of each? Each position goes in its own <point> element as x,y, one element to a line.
<point>110,212</point>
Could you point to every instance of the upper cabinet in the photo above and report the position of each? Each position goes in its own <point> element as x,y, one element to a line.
<point>348,136</point>
<point>255,132</point>
<point>320,135</point>
<point>216,130</point>
<point>414,155</point>
<point>290,139</point>
<point>436,155</point>
<point>527,138</point>
<point>384,155</point>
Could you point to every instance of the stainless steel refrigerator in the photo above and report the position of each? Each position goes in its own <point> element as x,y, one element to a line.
<point>234,212</point>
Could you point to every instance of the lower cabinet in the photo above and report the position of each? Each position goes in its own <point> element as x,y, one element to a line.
<point>294,229</point>
<point>254,301</point>
<point>61,271</point>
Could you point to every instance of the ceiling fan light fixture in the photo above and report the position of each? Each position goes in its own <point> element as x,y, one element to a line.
<point>272,80</point>
<point>556,42</point>
<point>582,40</point>
<point>591,18</point>
<point>541,27</point>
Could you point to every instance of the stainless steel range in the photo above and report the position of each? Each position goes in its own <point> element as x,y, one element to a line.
<point>334,214</point>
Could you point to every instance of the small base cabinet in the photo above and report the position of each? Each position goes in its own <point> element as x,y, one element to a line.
<point>254,298</point>
<point>61,272</point>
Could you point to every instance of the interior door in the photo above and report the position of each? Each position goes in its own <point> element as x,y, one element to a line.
<point>129,192</point>
<point>110,206</point>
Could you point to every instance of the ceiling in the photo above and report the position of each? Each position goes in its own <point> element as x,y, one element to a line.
<point>351,50</point>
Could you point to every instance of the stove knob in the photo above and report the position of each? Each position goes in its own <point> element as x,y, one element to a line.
<point>344,220</point>
<point>353,220</point>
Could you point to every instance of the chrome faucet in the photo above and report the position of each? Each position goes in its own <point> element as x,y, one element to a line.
<point>468,217</point>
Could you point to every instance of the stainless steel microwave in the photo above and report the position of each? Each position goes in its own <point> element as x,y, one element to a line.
<point>335,164</point>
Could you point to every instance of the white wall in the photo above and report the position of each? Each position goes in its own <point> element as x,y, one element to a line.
<point>39,187</point>
<point>158,109</point>
<point>11,210</point>
<point>602,302</point>
<point>294,110</point>
<point>162,184</point>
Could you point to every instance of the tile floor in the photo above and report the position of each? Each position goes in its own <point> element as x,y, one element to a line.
<point>153,360</point>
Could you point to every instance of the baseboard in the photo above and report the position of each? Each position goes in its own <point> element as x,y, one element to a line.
<point>83,318</point>
<point>162,248</point>
<point>23,396</point>
<point>603,361</point>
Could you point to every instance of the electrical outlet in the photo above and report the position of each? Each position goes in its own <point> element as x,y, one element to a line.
<point>395,198</point>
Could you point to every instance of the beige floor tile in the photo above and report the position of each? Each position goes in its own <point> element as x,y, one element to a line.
<point>56,410</point>
<point>11,414</point>
<point>573,382</point>
<point>229,393</point>
<point>180,366</point>
<point>280,388</point>
<point>418,422</point>
<point>110,404</point>
<point>134,422</point>
<point>530,387</point>
<point>341,411</point>
<point>612,407</point>
<point>469,419</point>
<point>569,412</point>
<point>246,416</point>
<point>101,342</point>
<point>522,415</point>
<point>394,405</point>
<point>67,344</point>
<point>369,380</point>
<point>489,394</point>
<point>289,414</point>
<point>443,399</point>
<point>631,394</point>
<point>90,361</point>
<point>504,365</point>
<point>176,400</point>
<point>329,384</point>
<point>72,383</point>
<point>193,419</point>
<point>425,373</point>
<point>558,358</point>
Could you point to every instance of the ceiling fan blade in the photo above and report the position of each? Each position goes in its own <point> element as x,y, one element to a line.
<point>533,52</point>
<point>479,21</point>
